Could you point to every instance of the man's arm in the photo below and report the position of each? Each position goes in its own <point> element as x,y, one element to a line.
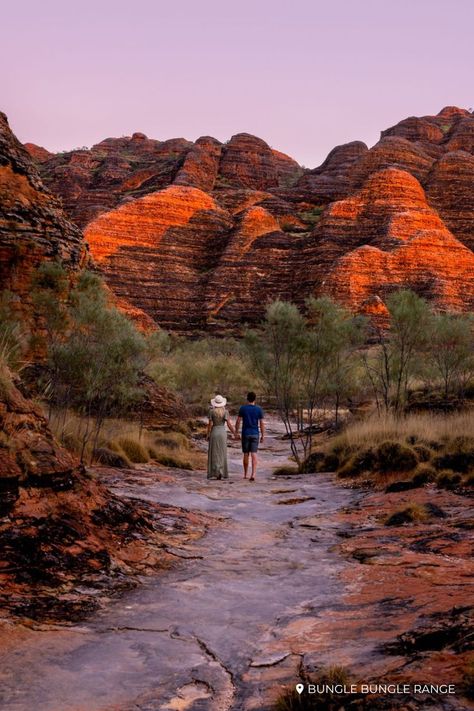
<point>262,429</point>
<point>237,426</point>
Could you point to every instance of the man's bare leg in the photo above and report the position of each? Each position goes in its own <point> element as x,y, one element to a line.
<point>246,465</point>
<point>254,465</point>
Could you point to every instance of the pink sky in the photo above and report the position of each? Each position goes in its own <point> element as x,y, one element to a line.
<point>305,75</point>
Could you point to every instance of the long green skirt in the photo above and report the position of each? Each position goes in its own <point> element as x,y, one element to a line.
<point>217,453</point>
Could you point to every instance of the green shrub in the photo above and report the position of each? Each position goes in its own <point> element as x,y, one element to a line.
<point>394,456</point>
<point>198,369</point>
<point>134,450</point>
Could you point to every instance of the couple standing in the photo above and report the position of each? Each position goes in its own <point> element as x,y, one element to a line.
<point>253,432</point>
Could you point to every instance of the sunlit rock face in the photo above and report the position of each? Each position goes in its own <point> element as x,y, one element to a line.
<point>387,236</point>
<point>157,251</point>
<point>93,181</point>
<point>33,227</point>
<point>266,227</point>
<point>254,268</point>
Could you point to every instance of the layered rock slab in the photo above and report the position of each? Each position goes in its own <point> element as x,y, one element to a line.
<point>156,252</point>
<point>385,237</point>
<point>33,227</point>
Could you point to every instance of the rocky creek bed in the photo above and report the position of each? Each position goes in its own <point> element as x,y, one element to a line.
<point>263,580</point>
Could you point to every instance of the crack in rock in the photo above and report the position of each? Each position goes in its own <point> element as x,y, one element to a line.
<point>225,703</point>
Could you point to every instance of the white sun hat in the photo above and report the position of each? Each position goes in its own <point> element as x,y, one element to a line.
<point>218,401</point>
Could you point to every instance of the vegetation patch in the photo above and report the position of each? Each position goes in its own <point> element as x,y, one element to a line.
<point>111,458</point>
<point>419,449</point>
<point>415,513</point>
<point>135,450</point>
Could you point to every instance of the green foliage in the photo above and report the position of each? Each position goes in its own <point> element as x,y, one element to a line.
<point>198,369</point>
<point>358,463</point>
<point>51,276</point>
<point>312,216</point>
<point>394,361</point>
<point>451,352</point>
<point>304,362</point>
<point>95,353</point>
<point>319,461</point>
<point>458,455</point>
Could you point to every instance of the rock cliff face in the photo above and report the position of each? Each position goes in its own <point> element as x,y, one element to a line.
<point>33,227</point>
<point>157,251</point>
<point>29,455</point>
<point>386,236</point>
<point>202,235</point>
<point>66,541</point>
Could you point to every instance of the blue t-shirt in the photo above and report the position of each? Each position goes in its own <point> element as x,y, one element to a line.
<point>250,414</point>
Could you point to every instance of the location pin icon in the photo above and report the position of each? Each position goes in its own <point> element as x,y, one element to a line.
<point>299,688</point>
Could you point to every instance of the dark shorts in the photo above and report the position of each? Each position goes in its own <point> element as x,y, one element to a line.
<point>249,444</point>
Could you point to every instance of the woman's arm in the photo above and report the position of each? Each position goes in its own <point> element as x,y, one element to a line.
<point>230,426</point>
<point>209,428</point>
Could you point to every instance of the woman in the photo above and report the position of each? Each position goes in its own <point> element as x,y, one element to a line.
<point>217,437</point>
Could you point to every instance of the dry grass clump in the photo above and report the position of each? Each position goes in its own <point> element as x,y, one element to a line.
<point>448,479</point>
<point>129,442</point>
<point>410,514</point>
<point>414,429</point>
<point>134,449</point>
<point>424,474</point>
<point>174,462</point>
<point>171,440</point>
<point>385,447</point>
<point>286,471</point>
<point>112,458</point>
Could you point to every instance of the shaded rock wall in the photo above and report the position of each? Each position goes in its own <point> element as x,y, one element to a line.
<point>33,227</point>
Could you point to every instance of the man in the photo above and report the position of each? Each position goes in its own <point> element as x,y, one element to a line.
<point>253,431</point>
